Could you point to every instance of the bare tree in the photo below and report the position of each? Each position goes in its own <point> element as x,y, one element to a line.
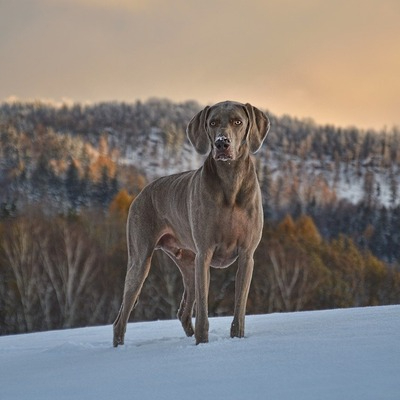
<point>294,278</point>
<point>71,265</point>
<point>21,255</point>
<point>56,273</point>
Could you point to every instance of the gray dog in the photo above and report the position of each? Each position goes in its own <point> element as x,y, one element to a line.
<point>208,217</point>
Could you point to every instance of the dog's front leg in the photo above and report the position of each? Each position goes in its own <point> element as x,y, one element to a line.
<point>242,286</point>
<point>202,282</point>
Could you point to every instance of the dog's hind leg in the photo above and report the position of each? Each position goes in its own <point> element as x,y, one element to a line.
<point>135,277</point>
<point>184,260</point>
<point>186,267</point>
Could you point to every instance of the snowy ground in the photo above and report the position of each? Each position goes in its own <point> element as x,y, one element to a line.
<point>338,354</point>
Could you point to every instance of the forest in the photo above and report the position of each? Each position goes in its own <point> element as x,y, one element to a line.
<point>69,173</point>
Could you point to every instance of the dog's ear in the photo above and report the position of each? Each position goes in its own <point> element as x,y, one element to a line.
<point>197,132</point>
<point>258,127</point>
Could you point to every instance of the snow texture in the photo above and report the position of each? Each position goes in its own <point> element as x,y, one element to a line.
<point>335,354</point>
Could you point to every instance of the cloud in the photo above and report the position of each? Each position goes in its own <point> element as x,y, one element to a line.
<point>305,57</point>
<point>125,5</point>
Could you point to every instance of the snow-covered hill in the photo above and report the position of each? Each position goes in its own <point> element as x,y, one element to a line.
<point>338,354</point>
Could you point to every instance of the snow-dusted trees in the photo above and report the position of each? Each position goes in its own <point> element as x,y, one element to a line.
<point>52,274</point>
<point>68,271</point>
<point>296,270</point>
<point>80,166</point>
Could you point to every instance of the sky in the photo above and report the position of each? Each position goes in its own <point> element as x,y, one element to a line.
<point>336,61</point>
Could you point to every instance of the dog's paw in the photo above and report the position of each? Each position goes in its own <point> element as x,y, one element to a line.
<point>202,340</point>
<point>189,331</point>
<point>188,328</point>
<point>201,337</point>
<point>118,341</point>
<point>201,330</point>
<point>119,334</point>
<point>237,330</point>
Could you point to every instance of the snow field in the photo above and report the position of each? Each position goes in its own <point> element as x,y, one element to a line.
<point>334,354</point>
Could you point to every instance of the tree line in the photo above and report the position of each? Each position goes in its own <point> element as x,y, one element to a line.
<point>66,271</point>
<point>68,175</point>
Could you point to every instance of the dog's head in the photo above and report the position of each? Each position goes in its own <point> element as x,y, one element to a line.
<point>228,129</point>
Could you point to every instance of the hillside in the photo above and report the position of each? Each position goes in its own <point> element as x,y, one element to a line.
<point>77,156</point>
<point>69,173</point>
<point>338,354</point>
<point>42,143</point>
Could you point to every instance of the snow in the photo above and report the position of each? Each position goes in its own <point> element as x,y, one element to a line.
<point>335,354</point>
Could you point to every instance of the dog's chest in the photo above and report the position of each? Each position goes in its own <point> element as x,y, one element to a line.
<point>231,232</point>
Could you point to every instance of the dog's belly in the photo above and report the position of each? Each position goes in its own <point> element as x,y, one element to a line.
<point>222,262</point>
<point>223,257</point>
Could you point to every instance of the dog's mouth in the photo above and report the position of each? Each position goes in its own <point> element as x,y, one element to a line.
<point>223,156</point>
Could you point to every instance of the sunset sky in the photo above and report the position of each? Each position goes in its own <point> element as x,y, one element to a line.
<point>336,61</point>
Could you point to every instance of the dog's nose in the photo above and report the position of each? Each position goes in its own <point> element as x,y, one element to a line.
<point>222,143</point>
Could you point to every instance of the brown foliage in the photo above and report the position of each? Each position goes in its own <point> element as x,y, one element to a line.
<point>119,206</point>
<point>68,271</point>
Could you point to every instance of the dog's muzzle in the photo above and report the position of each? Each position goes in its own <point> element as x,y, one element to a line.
<point>223,148</point>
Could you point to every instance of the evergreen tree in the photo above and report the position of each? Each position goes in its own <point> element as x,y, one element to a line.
<point>265,184</point>
<point>73,185</point>
<point>105,188</point>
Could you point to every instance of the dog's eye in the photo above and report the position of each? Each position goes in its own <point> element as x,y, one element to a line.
<point>237,122</point>
<point>213,123</point>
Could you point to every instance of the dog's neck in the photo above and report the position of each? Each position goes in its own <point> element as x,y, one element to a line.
<point>232,181</point>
